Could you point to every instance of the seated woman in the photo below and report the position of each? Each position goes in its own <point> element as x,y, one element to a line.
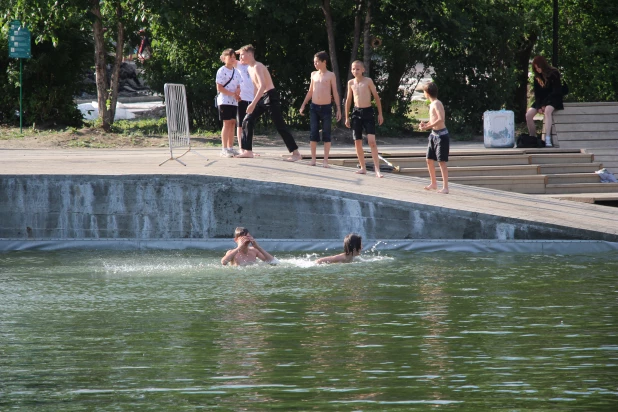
<point>547,95</point>
<point>352,246</point>
<point>247,252</point>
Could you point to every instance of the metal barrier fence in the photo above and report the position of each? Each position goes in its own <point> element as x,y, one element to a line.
<point>177,121</point>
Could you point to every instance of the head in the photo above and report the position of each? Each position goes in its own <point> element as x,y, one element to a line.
<point>320,59</point>
<point>247,54</point>
<point>228,57</point>
<point>358,68</point>
<point>352,244</point>
<point>142,32</point>
<point>240,232</point>
<point>431,90</point>
<point>542,69</point>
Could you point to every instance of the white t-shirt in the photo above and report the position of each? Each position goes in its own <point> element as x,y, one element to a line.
<point>223,75</point>
<point>246,85</point>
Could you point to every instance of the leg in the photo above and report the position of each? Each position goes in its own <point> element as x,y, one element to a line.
<point>549,111</point>
<point>371,138</point>
<point>326,153</point>
<point>431,166</point>
<point>530,121</point>
<point>314,147</point>
<point>242,111</point>
<point>360,153</point>
<point>444,171</point>
<point>229,126</point>
<point>282,128</point>
<point>248,126</point>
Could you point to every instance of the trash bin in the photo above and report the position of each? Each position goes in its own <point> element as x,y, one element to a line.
<point>499,128</point>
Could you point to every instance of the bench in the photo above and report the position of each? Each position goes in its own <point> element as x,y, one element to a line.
<point>592,127</point>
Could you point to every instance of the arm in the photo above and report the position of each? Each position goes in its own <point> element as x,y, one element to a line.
<point>333,83</point>
<point>225,91</point>
<point>374,92</point>
<point>229,256</point>
<point>332,259</point>
<point>262,254</point>
<point>260,89</point>
<point>307,97</point>
<point>348,104</point>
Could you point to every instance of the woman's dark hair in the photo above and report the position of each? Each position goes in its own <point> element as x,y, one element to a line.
<point>240,231</point>
<point>546,69</point>
<point>352,243</point>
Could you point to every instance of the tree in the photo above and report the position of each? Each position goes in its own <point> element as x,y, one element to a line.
<point>332,47</point>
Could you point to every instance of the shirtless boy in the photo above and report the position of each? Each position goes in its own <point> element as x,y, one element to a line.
<point>321,109</point>
<point>266,97</point>
<point>438,147</point>
<point>247,252</point>
<point>363,117</point>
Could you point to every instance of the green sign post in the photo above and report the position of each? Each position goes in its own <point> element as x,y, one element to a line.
<point>19,48</point>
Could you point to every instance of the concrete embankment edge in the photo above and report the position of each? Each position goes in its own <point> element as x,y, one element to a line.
<point>549,247</point>
<point>162,208</point>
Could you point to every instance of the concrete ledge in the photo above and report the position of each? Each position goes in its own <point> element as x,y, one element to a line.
<point>552,247</point>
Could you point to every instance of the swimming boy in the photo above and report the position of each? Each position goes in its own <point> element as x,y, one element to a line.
<point>266,97</point>
<point>352,246</point>
<point>438,146</point>
<point>247,252</point>
<point>363,117</point>
<point>321,109</point>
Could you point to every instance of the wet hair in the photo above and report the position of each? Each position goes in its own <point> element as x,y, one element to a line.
<point>359,62</point>
<point>247,48</point>
<point>431,88</point>
<point>240,231</point>
<point>322,56</point>
<point>546,69</point>
<point>352,243</point>
<point>228,52</point>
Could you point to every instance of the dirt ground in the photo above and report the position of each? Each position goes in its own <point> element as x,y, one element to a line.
<point>96,138</point>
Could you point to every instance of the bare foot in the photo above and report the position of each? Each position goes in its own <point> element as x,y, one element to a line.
<point>380,175</point>
<point>443,191</point>
<point>325,164</point>
<point>361,172</point>
<point>431,187</point>
<point>312,163</point>
<point>245,154</point>
<point>294,158</point>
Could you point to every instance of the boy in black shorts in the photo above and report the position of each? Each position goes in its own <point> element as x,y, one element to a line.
<point>363,117</point>
<point>438,147</point>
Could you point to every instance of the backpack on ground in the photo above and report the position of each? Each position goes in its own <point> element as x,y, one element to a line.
<point>526,141</point>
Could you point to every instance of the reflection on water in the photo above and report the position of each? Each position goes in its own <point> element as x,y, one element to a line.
<point>397,331</point>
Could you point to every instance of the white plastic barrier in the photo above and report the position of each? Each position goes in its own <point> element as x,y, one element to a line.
<point>177,121</point>
<point>499,128</point>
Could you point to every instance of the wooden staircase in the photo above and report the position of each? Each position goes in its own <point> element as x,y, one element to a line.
<point>533,171</point>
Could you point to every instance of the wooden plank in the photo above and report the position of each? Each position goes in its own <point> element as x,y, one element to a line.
<point>587,104</point>
<point>587,110</point>
<point>589,144</point>
<point>607,135</point>
<point>586,118</point>
<point>587,127</point>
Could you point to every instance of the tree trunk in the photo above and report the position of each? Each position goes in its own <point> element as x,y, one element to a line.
<point>358,15</point>
<point>111,112</point>
<point>367,41</point>
<point>99,63</point>
<point>396,69</point>
<point>522,59</point>
<point>332,50</point>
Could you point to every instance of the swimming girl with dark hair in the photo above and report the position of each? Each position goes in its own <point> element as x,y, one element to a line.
<point>352,246</point>
<point>548,95</point>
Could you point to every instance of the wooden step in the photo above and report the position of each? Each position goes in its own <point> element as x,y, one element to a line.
<point>530,184</point>
<point>543,159</point>
<point>573,178</point>
<point>582,188</point>
<point>476,171</point>
<point>557,168</point>
<point>467,161</point>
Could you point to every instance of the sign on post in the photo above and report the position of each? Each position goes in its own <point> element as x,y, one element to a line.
<point>19,41</point>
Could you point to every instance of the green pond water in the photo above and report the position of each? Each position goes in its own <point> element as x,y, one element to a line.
<point>168,331</point>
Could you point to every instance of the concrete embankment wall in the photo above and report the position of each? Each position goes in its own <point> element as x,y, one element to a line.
<point>43,207</point>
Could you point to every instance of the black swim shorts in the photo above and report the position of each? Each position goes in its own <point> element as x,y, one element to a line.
<point>363,118</point>
<point>438,145</point>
